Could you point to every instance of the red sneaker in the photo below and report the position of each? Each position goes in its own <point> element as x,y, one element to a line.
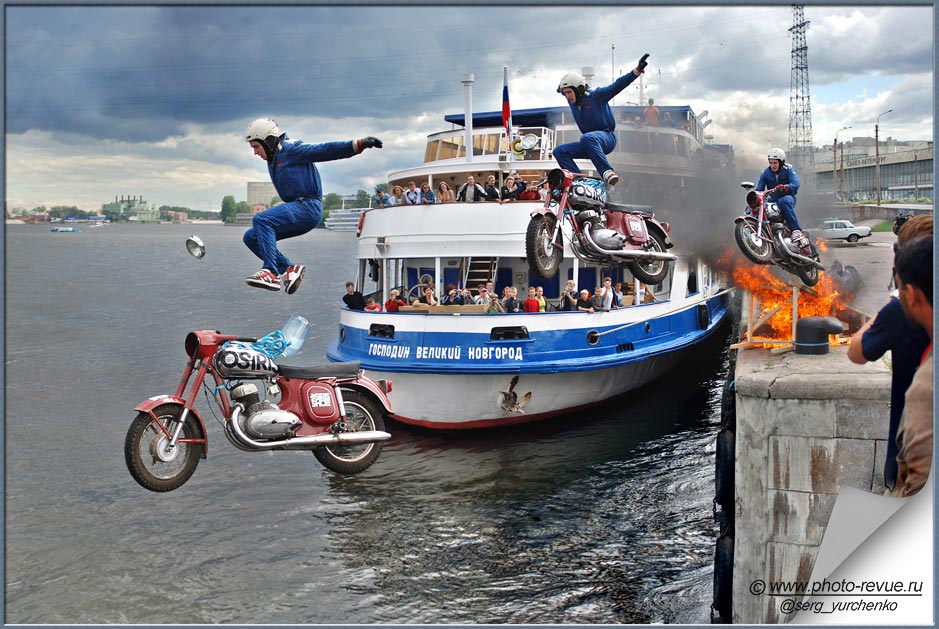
<point>264,279</point>
<point>292,278</point>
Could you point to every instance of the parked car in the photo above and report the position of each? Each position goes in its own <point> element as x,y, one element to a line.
<point>840,229</point>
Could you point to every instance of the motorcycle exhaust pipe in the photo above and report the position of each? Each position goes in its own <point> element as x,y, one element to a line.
<point>301,443</point>
<point>795,256</point>
<point>632,253</point>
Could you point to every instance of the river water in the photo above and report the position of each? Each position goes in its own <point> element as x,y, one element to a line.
<point>603,517</point>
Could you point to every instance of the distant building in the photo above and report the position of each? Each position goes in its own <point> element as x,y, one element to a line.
<point>133,209</point>
<point>906,169</point>
<point>261,193</point>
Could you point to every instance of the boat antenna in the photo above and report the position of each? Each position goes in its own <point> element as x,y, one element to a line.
<point>612,63</point>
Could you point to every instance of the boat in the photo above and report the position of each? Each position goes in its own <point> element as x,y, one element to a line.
<point>344,219</point>
<point>457,367</point>
<point>64,230</point>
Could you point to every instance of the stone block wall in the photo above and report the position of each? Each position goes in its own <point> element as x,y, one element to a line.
<point>807,425</point>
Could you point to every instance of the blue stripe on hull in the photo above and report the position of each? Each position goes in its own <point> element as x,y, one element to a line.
<point>546,351</point>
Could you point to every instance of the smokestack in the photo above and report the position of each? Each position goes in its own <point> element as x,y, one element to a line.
<point>468,116</point>
<point>587,71</point>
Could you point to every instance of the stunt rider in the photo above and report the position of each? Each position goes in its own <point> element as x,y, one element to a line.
<point>591,110</point>
<point>291,164</point>
<point>783,180</point>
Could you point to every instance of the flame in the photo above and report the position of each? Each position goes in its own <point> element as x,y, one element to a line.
<point>772,293</point>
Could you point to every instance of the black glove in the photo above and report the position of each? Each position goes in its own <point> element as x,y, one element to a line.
<point>641,66</point>
<point>367,143</point>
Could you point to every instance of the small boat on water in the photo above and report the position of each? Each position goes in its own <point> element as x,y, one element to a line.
<point>64,230</point>
<point>458,367</point>
<point>344,219</point>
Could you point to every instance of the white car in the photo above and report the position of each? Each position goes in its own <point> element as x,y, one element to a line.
<point>840,229</point>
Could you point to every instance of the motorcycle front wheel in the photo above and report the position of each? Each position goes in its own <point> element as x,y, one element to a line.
<point>544,256</point>
<point>808,275</point>
<point>651,272</point>
<point>146,450</point>
<point>362,414</point>
<point>746,235</point>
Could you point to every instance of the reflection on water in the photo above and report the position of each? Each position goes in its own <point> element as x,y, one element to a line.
<point>600,517</point>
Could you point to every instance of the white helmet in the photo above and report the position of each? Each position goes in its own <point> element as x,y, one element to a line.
<point>776,153</point>
<point>575,81</point>
<point>261,129</point>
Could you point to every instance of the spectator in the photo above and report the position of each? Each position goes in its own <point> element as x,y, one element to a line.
<point>492,192</point>
<point>606,294</point>
<point>394,301</point>
<point>494,305</point>
<point>383,199</point>
<point>509,191</point>
<point>453,297</point>
<point>890,330</point>
<point>899,221</point>
<point>412,196</point>
<point>444,193</point>
<point>568,301</point>
<point>509,303</point>
<point>667,121</point>
<point>427,195</point>
<point>371,305</point>
<point>914,277</point>
<point>491,288</point>
<point>652,114</point>
<point>471,191</point>
<point>597,299</point>
<point>583,302</point>
<point>428,296</point>
<point>531,193</point>
<point>397,194</point>
<point>519,185</point>
<point>618,295</point>
<point>482,295</point>
<point>353,298</point>
<point>531,304</point>
<point>542,302</point>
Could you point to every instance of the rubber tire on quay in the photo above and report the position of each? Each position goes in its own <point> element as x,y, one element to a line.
<point>651,272</point>
<point>364,413</point>
<point>144,436</point>
<point>761,255</point>
<point>542,262</point>
<point>853,238</point>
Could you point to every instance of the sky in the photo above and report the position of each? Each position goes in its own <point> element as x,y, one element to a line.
<point>152,101</point>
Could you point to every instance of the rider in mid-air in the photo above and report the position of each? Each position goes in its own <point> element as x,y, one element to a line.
<point>591,110</point>
<point>783,181</point>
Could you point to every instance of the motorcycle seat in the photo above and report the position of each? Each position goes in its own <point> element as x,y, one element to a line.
<point>333,370</point>
<point>645,210</point>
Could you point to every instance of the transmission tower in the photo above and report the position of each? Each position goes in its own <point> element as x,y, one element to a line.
<point>800,152</point>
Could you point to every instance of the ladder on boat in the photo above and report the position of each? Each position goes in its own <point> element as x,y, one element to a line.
<point>479,271</point>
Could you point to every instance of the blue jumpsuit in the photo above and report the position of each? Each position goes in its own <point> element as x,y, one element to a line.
<point>294,175</point>
<point>595,120</point>
<point>786,176</point>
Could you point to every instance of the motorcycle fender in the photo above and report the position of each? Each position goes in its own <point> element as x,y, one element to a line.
<point>541,211</point>
<point>151,403</point>
<point>370,387</point>
<point>662,233</point>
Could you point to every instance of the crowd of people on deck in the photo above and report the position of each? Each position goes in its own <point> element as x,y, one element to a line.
<point>514,188</point>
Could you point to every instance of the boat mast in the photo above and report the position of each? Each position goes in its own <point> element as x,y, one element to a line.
<point>468,116</point>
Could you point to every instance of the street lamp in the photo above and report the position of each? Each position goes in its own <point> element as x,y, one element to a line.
<point>877,151</point>
<point>834,164</point>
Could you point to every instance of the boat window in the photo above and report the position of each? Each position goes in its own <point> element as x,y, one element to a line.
<point>450,148</point>
<point>514,333</point>
<point>430,153</point>
<point>485,144</point>
<point>381,331</point>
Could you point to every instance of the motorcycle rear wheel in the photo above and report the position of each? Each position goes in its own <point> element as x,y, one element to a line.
<point>362,413</point>
<point>651,272</point>
<point>149,461</point>
<point>544,257</point>
<point>744,233</point>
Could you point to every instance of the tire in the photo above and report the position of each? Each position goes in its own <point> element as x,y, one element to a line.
<point>808,275</point>
<point>651,272</point>
<point>145,455</point>
<point>362,413</point>
<point>743,233</point>
<point>544,257</point>
<point>853,238</point>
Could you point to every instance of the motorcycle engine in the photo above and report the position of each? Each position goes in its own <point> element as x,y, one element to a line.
<point>609,239</point>
<point>262,419</point>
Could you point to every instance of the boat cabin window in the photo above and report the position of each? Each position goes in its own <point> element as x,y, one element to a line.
<point>514,333</point>
<point>381,331</point>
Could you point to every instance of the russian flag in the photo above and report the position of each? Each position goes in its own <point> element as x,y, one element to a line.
<point>506,108</point>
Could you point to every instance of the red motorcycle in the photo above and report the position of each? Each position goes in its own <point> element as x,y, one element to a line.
<point>333,410</point>
<point>608,234</point>
<point>763,236</point>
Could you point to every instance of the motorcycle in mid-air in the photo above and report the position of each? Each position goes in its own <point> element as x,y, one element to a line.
<point>608,234</point>
<point>764,238</point>
<point>333,410</point>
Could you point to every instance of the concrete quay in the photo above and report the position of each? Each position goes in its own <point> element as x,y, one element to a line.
<point>806,426</point>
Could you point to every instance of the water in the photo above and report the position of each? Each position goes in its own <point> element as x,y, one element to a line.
<point>604,517</point>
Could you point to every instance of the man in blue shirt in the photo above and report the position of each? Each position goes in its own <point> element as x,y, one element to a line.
<point>783,180</point>
<point>383,199</point>
<point>594,118</point>
<point>292,168</point>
